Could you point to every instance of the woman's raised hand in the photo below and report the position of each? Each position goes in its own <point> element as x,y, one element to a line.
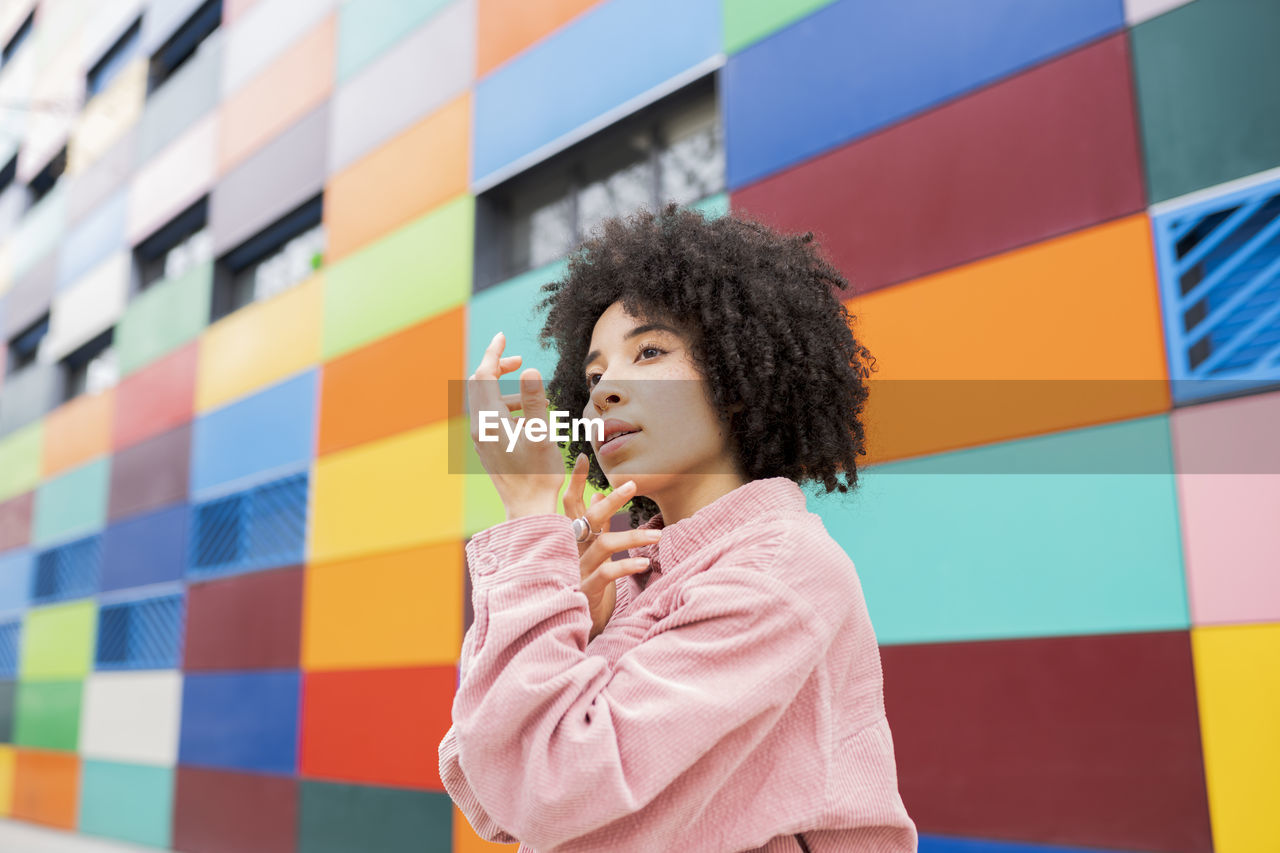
<point>599,571</point>
<point>528,477</point>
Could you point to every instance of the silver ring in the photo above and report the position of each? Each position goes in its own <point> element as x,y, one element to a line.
<point>582,529</point>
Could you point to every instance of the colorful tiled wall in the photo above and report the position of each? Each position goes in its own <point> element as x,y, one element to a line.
<point>232,590</point>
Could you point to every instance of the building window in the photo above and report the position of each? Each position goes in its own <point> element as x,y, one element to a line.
<point>25,346</point>
<point>42,183</point>
<point>115,59</point>
<point>672,150</point>
<point>91,368</point>
<point>181,244</point>
<point>182,45</point>
<point>19,36</point>
<point>8,173</point>
<point>279,257</point>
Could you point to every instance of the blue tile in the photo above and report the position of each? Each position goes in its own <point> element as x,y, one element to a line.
<point>241,720</point>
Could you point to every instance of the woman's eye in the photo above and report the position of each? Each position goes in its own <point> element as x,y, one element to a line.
<point>652,350</point>
<point>592,379</point>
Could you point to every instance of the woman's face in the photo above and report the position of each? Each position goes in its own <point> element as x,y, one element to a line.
<point>642,376</point>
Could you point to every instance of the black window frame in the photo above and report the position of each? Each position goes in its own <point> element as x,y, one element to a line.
<point>78,361</point>
<point>267,242</point>
<point>571,170</point>
<point>183,44</point>
<point>193,219</point>
<point>95,84</point>
<point>47,178</point>
<point>17,39</point>
<point>24,347</point>
<point>9,173</point>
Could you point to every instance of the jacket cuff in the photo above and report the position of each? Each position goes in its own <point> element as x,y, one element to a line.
<point>533,544</point>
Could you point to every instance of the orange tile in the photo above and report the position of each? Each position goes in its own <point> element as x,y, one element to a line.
<point>46,787</point>
<point>465,839</point>
<point>420,169</point>
<point>77,431</point>
<point>292,85</point>
<point>394,384</point>
<point>1083,307</point>
<point>506,27</point>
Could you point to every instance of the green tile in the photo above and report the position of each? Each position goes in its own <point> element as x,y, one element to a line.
<point>946,552</point>
<point>1206,79</point>
<point>72,504</point>
<point>47,714</point>
<point>368,27</point>
<point>416,272</point>
<point>164,317</point>
<point>342,818</point>
<point>58,641</point>
<point>748,21</point>
<point>20,460</point>
<point>127,802</point>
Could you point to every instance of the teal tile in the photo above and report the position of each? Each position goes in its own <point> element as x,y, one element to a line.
<point>946,552</point>
<point>73,504</point>
<point>127,802</point>
<point>340,818</point>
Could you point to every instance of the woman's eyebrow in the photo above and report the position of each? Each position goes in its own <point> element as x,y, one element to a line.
<point>638,330</point>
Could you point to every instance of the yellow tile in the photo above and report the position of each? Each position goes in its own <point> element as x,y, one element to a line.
<point>399,608</point>
<point>1238,690</point>
<point>7,762</point>
<point>387,494</point>
<point>260,344</point>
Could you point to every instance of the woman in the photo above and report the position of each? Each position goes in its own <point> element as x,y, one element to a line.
<point>720,688</point>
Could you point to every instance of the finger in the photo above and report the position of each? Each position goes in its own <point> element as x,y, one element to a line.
<point>596,498</point>
<point>573,506</point>
<point>611,542</point>
<point>601,511</point>
<point>482,386</point>
<point>610,571</point>
<point>513,402</point>
<point>533,396</point>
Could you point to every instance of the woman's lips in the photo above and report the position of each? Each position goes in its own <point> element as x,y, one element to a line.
<point>613,444</point>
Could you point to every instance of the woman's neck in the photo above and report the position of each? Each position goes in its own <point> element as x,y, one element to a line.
<point>690,493</point>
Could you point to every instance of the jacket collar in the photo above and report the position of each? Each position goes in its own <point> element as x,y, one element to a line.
<point>743,505</point>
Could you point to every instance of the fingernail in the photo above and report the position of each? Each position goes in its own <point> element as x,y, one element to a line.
<point>646,561</point>
<point>629,485</point>
<point>655,534</point>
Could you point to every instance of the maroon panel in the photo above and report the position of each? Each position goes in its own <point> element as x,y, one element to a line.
<point>150,474</point>
<point>1049,151</point>
<point>15,521</point>
<point>219,812</point>
<point>1091,740</point>
<point>250,621</point>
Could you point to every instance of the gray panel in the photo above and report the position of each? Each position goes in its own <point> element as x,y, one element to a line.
<point>27,396</point>
<point>162,19</point>
<point>92,186</point>
<point>151,474</point>
<point>280,176</point>
<point>31,296</point>
<point>181,100</point>
<point>420,74</point>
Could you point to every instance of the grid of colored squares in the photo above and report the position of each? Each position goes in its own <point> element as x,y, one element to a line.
<point>233,584</point>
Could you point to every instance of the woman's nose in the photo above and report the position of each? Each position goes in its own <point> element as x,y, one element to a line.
<point>607,392</point>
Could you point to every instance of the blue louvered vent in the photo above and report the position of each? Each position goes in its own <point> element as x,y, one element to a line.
<point>9,635</point>
<point>143,634</point>
<point>1220,282</point>
<point>258,528</point>
<point>68,571</point>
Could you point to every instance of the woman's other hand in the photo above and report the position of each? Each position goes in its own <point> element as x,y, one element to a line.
<point>597,569</point>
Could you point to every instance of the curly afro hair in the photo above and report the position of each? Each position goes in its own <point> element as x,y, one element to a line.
<point>763,324</point>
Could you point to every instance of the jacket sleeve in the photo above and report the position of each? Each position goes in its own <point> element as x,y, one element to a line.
<point>554,743</point>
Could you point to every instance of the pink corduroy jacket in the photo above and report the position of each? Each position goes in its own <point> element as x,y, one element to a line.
<point>734,700</point>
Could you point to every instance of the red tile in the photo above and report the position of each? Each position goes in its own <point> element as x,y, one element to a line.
<point>251,621</point>
<point>220,812</point>
<point>1049,151</point>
